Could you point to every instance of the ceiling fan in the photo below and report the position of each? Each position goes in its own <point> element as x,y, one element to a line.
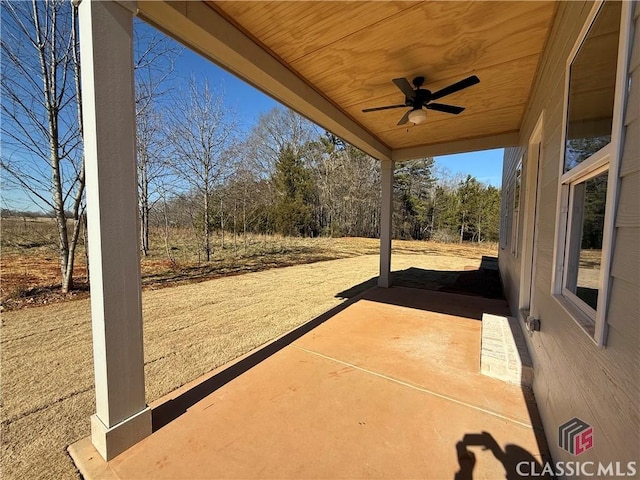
<point>418,98</point>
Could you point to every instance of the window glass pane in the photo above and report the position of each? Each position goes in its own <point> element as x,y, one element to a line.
<point>518,181</point>
<point>587,229</point>
<point>592,87</point>
<point>516,208</point>
<point>505,227</point>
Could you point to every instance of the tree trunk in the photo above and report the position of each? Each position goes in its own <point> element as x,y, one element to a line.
<point>235,238</point>
<point>244,222</point>
<point>144,205</point>
<point>207,240</point>
<point>58,200</point>
<point>166,231</point>
<point>49,70</point>
<point>78,209</point>
<point>61,220</point>
<point>67,280</point>
<point>222,220</point>
<point>86,246</point>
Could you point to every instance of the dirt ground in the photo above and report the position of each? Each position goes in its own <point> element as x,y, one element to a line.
<point>30,271</point>
<point>46,359</point>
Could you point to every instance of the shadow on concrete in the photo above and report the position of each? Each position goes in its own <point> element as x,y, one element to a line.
<point>471,292</point>
<point>518,462</point>
<point>481,282</point>
<point>168,411</point>
<point>472,306</point>
<point>536,423</point>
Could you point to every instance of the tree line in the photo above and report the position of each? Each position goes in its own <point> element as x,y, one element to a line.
<point>317,185</point>
<point>197,167</point>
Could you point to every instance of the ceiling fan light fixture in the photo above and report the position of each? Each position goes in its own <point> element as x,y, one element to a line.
<point>417,116</point>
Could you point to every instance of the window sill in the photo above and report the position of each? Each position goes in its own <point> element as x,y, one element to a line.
<point>578,316</point>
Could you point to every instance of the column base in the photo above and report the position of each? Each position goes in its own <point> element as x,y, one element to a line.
<point>384,282</point>
<point>110,442</point>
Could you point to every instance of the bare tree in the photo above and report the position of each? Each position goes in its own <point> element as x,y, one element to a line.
<point>155,55</point>
<point>348,188</point>
<point>150,167</point>
<point>42,124</point>
<point>246,198</point>
<point>200,130</point>
<point>275,130</point>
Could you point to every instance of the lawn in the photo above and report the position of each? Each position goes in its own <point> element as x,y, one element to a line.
<point>31,274</point>
<point>189,329</point>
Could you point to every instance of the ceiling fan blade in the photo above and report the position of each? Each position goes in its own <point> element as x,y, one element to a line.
<point>405,87</point>
<point>440,107</point>
<point>405,118</point>
<point>462,84</point>
<point>375,109</point>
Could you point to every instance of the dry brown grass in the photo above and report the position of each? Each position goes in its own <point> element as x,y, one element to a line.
<point>47,373</point>
<point>30,271</point>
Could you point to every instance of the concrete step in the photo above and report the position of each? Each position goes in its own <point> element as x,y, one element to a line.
<point>504,353</point>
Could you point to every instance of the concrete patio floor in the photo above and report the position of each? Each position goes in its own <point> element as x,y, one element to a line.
<point>387,385</point>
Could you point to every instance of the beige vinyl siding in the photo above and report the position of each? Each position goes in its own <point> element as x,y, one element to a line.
<point>574,378</point>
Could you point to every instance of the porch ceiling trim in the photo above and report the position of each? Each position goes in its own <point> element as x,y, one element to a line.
<point>207,32</point>
<point>502,140</point>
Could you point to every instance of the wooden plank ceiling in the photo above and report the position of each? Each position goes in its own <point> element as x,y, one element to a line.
<point>350,51</point>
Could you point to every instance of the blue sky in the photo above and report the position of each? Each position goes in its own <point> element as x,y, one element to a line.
<point>246,101</point>
<point>486,165</point>
<point>249,102</point>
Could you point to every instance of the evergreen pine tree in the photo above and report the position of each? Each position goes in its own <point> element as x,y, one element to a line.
<point>293,209</point>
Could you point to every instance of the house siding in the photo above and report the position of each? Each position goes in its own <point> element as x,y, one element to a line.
<point>573,377</point>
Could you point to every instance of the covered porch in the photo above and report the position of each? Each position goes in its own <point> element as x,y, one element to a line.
<point>386,385</point>
<point>328,70</point>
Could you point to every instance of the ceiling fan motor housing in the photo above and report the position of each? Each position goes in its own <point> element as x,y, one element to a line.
<point>422,97</point>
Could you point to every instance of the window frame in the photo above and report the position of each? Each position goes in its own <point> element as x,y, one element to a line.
<point>592,322</point>
<point>517,200</point>
<point>505,227</point>
<point>604,166</point>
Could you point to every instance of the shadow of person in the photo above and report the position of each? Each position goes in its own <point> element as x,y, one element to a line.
<point>517,461</point>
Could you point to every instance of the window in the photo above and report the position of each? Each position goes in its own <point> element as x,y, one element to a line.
<point>517,180</point>
<point>592,80</point>
<point>505,221</point>
<point>595,95</point>
<point>511,210</point>
<point>584,249</point>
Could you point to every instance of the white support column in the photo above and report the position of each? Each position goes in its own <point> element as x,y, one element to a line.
<point>106,34</point>
<point>386,223</point>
